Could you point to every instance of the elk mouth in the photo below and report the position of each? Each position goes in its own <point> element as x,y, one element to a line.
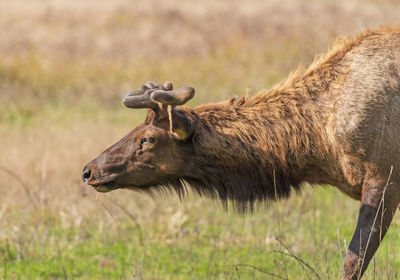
<point>100,182</point>
<point>103,186</point>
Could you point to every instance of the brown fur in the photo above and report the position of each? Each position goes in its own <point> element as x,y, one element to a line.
<point>292,130</point>
<point>336,123</point>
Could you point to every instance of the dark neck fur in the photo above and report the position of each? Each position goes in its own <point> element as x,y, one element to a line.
<point>250,151</point>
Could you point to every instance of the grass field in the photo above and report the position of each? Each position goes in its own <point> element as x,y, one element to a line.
<point>64,67</point>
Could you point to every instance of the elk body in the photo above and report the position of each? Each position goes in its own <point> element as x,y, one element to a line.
<point>337,123</point>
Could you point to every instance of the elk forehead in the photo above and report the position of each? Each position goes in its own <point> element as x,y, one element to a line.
<point>134,140</point>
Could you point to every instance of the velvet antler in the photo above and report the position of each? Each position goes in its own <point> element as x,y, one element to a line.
<point>162,99</point>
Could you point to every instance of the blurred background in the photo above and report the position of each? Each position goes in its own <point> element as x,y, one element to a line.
<point>64,67</point>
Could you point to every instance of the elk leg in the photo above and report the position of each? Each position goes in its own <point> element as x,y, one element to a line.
<point>379,202</point>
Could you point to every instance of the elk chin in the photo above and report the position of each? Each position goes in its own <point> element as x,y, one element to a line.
<point>103,189</point>
<point>104,186</point>
<point>107,187</point>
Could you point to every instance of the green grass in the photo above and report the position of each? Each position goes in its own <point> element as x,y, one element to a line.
<point>194,244</point>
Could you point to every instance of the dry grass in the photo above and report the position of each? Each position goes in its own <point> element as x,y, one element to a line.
<point>55,48</point>
<point>63,68</point>
<point>122,29</point>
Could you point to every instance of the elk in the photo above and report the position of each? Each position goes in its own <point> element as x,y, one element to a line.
<point>336,123</point>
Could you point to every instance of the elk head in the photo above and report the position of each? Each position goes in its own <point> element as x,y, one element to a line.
<point>154,153</point>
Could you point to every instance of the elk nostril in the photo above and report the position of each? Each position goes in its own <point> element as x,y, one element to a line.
<point>86,174</point>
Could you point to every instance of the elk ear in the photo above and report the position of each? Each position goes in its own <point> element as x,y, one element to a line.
<point>182,126</point>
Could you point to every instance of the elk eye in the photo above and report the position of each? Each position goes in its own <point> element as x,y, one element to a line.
<point>147,140</point>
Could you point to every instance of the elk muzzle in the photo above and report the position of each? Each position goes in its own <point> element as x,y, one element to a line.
<point>101,180</point>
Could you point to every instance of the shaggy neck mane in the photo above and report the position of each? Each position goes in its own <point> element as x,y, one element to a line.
<point>254,150</point>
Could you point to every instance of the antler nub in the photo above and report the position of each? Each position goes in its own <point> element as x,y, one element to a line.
<point>158,97</point>
<point>168,85</point>
<point>173,97</point>
<point>151,95</point>
<point>139,98</point>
